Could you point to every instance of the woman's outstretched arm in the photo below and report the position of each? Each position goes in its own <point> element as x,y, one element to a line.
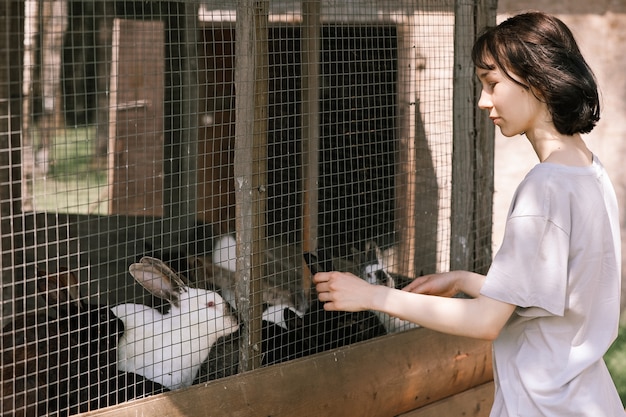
<point>480,317</point>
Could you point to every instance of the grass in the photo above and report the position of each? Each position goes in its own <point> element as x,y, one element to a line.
<point>72,183</point>
<point>615,360</point>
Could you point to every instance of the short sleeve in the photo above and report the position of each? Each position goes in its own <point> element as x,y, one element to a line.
<point>530,269</point>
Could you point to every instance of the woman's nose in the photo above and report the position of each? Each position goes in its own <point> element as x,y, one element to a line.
<point>484,102</point>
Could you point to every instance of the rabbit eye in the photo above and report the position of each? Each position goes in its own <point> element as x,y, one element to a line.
<point>210,304</point>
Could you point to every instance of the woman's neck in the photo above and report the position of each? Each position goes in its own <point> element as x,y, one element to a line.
<point>561,149</point>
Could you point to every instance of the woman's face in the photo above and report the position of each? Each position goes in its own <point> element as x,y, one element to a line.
<point>512,107</point>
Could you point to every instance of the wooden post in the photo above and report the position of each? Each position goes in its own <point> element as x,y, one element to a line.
<point>472,154</point>
<point>310,129</point>
<point>405,187</point>
<point>485,152</point>
<point>416,188</point>
<point>251,87</point>
<point>185,209</point>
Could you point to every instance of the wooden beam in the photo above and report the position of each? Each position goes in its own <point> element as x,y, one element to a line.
<point>475,402</point>
<point>463,187</point>
<point>386,376</point>
<point>311,40</point>
<point>484,155</point>
<point>473,149</point>
<point>250,169</point>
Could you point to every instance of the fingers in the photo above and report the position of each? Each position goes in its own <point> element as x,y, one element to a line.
<point>329,287</point>
<point>416,284</point>
<point>321,277</point>
<point>322,287</point>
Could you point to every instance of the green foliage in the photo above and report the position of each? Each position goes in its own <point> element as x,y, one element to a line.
<point>73,183</point>
<point>615,360</point>
<point>72,155</point>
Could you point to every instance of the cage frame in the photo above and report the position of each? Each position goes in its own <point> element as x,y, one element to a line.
<point>472,192</point>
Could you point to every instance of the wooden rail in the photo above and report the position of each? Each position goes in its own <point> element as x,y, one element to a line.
<point>386,376</point>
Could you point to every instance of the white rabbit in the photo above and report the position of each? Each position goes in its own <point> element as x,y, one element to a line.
<point>169,348</point>
<point>225,252</point>
<point>221,271</point>
<point>224,256</point>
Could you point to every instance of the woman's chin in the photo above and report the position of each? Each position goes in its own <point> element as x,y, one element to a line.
<point>509,133</point>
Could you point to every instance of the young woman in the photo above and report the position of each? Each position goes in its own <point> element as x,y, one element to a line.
<point>550,300</point>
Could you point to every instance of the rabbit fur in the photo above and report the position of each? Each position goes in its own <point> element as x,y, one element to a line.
<point>324,330</point>
<point>63,360</point>
<point>281,333</point>
<point>169,348</point>
<point>375,272</point>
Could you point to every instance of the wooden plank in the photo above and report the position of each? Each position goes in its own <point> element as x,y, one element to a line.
<point>311,35</point>
<point>405,183</point>
<point>463,187</point>
<point>484,156</point>
<point>386,376</point>
<point>136,117</point>
<point>416,188</point>
<point>251,86</point>
<point>473,148</point>
<point>475,402</point>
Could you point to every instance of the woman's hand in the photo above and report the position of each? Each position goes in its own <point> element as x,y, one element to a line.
<point>448,284</point>
<point>443,285</point>
<point>344,291</point>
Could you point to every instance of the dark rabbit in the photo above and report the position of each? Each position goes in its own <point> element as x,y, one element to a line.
<point>64,360</point>
<point>281,333</point>
<point>324,330</point>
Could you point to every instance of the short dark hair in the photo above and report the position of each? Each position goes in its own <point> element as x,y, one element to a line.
<point>541,50</point>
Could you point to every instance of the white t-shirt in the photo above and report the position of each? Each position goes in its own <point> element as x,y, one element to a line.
<point>560,264</point>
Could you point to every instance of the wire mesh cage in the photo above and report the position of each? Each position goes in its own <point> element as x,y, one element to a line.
<point>173,173</point>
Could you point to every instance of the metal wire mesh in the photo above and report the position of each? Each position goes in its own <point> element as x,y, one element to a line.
<point>167,165</point>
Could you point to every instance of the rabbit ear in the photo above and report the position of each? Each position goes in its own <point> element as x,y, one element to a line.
<point>60,288</point>
<point>373,253</point>
<point>322,262</point>
<point>158,279</point>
